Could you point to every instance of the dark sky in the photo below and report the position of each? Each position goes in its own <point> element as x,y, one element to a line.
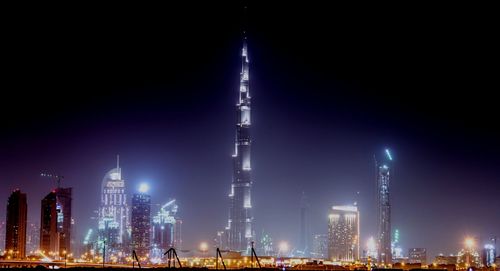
<point>331,86</point>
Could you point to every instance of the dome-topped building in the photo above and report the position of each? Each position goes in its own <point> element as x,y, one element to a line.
<point>113,211</point>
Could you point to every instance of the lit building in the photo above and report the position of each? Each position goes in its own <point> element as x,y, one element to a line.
<point>239,227</point>
<point>15,234</point>
<point>343,234</point>
<point>468,256</point>
<point>417,255</point>
<point>166,230</point>
<point>32,238</point>
<point>304,226</point>
<point>113,221</point>
<point>266,245</point>
<point>397,250</point>
<point>489,255</point>
<point>384,208</point>
<point>371,249</point>
<point>141,222</point>
<point>55,223</point>
<point>445,260</point>
<point>320,246</point>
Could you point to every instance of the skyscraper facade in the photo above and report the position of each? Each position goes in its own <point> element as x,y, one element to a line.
<point>239,228</point>
<point>343,234</point>
<point>164,224</point>
<point>55,223</point>
<point>113,222</point>
<point>141,223</point>
<point>15,235</point>
<point>384,168</point>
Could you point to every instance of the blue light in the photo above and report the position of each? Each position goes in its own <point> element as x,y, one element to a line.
<point>388,154</point>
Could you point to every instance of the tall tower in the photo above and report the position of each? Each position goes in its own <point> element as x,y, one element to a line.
<point>15,235</point>
<point>113,212</point>
<point>384,169</point>
<point>141,221</point>
<point>55,224</point>
<point>239,227</point>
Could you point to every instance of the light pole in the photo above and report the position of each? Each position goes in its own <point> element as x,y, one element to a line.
<point>65,257</point>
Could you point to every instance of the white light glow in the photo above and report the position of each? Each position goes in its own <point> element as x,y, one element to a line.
<point>143,187</point>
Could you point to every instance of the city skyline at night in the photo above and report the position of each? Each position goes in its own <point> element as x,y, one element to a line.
<point>328,120</point>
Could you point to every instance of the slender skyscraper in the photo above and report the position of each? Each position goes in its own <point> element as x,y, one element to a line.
<point>384,169</point>
<point>239,228</point>
<point>15,236</point>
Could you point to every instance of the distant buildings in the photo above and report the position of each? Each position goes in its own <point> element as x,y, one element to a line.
<point>384,208</point>
<point>417,255</point>
<point>141,222</point>
<point>55,223</point>
<point>445,260</point>
<point>15,236</point>
<point>32,238</point>
<point>320,246</point>
<point>343,234</point>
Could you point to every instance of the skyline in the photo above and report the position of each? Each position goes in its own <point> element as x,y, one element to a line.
<point>325,140</point>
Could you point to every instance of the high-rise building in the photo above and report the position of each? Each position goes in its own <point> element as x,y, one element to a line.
<point>141,222</point>
<point>239,228</point>
<point>489,255</point>
<point>384,169</point>
<point>32,238</point>
<point>304,226</point>
<point>15,235</point>
<point>113,219</point>
<point>343,234</point>
<point>417,255</point>
<point>55,223</point>
<point>320,246</point>
<point>164,224</point>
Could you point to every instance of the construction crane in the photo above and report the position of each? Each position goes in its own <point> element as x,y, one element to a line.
<point>56,177</point>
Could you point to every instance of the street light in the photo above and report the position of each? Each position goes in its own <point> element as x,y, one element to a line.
<point>469,243</point>
<point>65,253</point>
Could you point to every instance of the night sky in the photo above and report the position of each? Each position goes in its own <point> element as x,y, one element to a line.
<point>331,86</point>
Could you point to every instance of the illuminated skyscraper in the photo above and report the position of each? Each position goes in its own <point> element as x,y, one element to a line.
<point>15,236</point>
<point>417,255</point>
<point>141,222</point>
<point>113,221</point>
<point>343,234</point>
<point>164,226</point>
<point>55,223</point>
<point>239,228</point>
<point>384,208</point>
